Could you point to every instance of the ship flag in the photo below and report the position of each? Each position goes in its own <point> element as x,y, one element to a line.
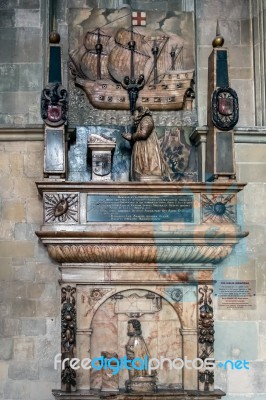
<point>138,18</point>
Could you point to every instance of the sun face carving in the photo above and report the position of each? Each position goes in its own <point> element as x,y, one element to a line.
<point>219,208</point>
<point>61,207</point>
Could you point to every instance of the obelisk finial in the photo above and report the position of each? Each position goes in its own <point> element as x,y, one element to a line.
<point>218,41</point>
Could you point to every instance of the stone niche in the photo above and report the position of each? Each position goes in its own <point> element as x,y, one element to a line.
<point>160,322</point>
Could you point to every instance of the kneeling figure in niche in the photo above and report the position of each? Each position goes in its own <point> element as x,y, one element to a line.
<point>139,379</point>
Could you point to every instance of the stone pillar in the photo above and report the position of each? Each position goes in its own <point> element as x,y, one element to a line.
<point>222,116</point>
<point>198,137</point>
<point>84,351</point>
<point>190,351</point>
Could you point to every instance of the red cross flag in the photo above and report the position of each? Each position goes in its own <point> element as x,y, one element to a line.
<point>138,18</point>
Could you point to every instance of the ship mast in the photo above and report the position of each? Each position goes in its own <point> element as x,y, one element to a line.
<point>161,47</point>
<point>155,51</point>
<point>131,46</point>
<point>130,83</point>
<point>98,48</point>
<point>172,54</point>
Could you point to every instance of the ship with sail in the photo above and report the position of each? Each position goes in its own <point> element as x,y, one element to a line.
<point>102,63</point>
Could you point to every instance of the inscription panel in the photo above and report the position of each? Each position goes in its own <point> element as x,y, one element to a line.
<point>139,208</point>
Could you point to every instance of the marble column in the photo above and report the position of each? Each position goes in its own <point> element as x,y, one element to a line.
<point>84,351</point>
<point>190,351</point>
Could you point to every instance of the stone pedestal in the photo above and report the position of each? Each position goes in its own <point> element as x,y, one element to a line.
<point>101,156</point>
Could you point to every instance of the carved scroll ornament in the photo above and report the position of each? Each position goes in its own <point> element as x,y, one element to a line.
<point>68,334</point>
<point>206,334</point>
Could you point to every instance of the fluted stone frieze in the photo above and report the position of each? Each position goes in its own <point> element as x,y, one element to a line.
<point>89,253</point>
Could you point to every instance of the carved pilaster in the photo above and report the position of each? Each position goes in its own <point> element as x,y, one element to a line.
<point>206,336</point>
<point>189,336</point>
<point>68,335</point>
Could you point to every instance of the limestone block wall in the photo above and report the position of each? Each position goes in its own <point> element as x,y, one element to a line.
<point>29,294</point>
<point>241,334</point>
<point>22,36</point>
<point>258,23</point>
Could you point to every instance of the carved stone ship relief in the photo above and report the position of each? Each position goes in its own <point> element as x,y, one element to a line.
<point>107,57</point>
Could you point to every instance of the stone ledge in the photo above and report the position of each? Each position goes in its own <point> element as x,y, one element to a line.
<point>139,187</point>
<point>21,134</point>
<point>33,133</point>
<point>247,134</point>
<point>161,394</point>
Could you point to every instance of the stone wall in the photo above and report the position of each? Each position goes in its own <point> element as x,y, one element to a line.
<point>240,334</point>
<point>29,297</point>
<point>258,22</point>
<point>22,46</point>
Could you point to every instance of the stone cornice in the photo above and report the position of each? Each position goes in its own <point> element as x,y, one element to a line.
<point>22,134</point>
<point>140,187</point>
<point>248,134</point>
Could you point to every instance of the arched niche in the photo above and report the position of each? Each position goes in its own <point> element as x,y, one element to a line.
<point>160,330</point>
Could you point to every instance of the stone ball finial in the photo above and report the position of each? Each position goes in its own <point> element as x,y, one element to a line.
<point>218,41</point>
<point>54,37</point>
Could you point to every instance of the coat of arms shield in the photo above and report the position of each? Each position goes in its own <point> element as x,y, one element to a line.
<point>101,164</point>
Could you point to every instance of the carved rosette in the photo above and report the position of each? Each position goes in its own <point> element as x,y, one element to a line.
<point>206,336</point>
<point>219,209</point>
<point>90,298</point>
<point>61,207</point>
<point>68,334</point>
<point>139,253</point>
<point>175,296</point>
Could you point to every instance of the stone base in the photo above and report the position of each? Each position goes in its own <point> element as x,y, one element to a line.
<point>141,384</point>
<point>160,395</point>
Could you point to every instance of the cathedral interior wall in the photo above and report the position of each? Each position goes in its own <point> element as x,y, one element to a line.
<point>30,294</point>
